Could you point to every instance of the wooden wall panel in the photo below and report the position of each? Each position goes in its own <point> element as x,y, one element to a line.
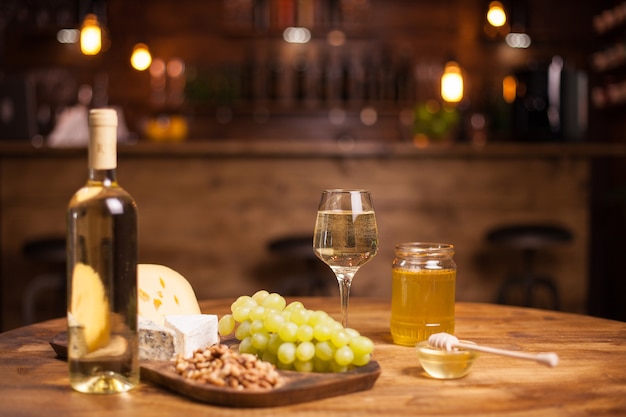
<point>212,218</point>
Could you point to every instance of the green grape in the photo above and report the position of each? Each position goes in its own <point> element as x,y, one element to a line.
<point>320,365</point>
<point>294,305</point>
<point>270,357</point>
<point>303,366</point>
<point>259,340</point>
<point>288,332</point>
<point>274,301</point>
<point>241,313</point>
<point>335,367</point>
<point>286,353</point>
<point>361,345</point>
<point>291,336</point>
<point>259,296</point>
<point>318,316</point>
<point>361,360</point>
<point>273,321</point>
<point>343,356</point>
<point>324,351</point>
<point>243,330</point>
<point>257,326</point>
<point>243,301</point>
<point>226,325</point>
<point>336,326</point>
<point>286,315</point>
<point>321,332</point>
<point>340,338</point>
<point>300,316</point>
<point>257,313</point>
<point>305,351</point>
<point>245,346</point>
<point>305,333</point>
<point>274,343</point>
<point>352,333</point>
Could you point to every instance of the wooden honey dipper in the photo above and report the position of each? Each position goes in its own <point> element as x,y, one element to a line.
<point>446,341</point>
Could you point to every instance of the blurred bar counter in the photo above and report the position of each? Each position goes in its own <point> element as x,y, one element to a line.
<point>210,209</point>
<point>311,149</point>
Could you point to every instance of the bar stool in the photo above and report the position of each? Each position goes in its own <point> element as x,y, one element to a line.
<point>51,251</point>
<point>299,249</point>
<point>530,239</point>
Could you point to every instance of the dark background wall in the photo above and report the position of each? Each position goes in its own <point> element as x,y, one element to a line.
<point>242,74</point>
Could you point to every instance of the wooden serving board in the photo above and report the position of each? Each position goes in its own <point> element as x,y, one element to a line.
<point>298,387</point>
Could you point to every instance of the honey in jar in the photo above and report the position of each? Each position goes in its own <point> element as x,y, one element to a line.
<point>423,291</point>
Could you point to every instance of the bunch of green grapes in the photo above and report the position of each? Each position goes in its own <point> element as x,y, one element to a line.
<point>293,337</point>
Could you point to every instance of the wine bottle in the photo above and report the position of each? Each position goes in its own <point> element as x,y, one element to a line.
<point>103,353</point>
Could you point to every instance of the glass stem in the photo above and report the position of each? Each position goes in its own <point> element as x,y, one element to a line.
<point>344,278</point>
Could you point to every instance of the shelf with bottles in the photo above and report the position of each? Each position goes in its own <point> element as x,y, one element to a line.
<point>272,17</point>
<point>608,61</point>
<point>309,79</point>
<point>612,57</point>
<point>263,111</point>
<point>610,19</point>
<point>610,52</point>
<point>611,92</point>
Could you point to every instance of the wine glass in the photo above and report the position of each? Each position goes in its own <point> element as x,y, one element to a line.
<point>345,237</point>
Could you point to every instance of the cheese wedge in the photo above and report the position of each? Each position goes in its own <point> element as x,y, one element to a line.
<point>193,332</point>
<point>155,342</point>
<point>163,291</point>
<point>89,309</point>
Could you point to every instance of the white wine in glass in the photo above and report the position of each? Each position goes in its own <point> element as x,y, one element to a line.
<point>345,237</point>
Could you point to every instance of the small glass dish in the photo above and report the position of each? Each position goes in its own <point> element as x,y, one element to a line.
<point>442,364</point>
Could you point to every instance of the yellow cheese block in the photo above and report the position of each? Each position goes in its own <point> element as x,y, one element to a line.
<point>89,307</point>
<point>163,291</point>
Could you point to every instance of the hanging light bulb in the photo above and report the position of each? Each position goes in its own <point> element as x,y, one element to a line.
<point>452,83</point>
<point>496,15</point>
<point>509,89</point>
<point>141,58</point>
<point>90,35</point>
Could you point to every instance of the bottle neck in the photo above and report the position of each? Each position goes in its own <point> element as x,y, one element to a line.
<point>104,177</point>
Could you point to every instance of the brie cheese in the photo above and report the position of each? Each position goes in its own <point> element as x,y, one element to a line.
<point>193,332</point>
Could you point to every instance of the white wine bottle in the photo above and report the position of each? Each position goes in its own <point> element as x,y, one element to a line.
<point>103,353</point>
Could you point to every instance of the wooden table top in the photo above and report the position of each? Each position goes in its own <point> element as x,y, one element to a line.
<point>589,380</point>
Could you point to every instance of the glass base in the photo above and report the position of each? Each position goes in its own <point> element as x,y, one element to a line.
<point>104,383</point>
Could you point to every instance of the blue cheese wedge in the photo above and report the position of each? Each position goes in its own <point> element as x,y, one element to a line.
<point>196,331</point>
<point>156,342</point>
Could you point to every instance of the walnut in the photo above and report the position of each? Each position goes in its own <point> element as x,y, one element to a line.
<point>221,366</point>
